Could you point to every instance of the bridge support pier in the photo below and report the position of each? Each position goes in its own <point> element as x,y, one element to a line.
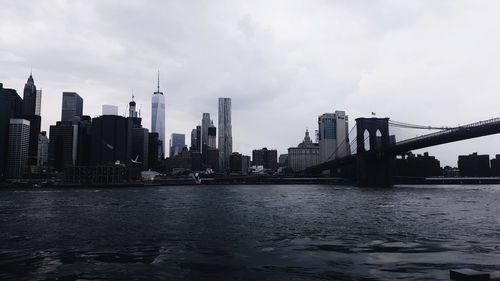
<point>373,166</point>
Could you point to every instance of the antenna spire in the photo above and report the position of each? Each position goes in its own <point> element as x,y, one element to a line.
<point>158,80</point>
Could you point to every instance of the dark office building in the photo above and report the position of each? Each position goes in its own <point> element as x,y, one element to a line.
<point>140,148</point>
<point>495,165</point>
<point>211,158</point>
<point>84,141</point>
<point>72,107</point>
<point>196,139</point>
<point>35,123</point>
<point>474,165</point>
<point>417,166</point>
<point>265,157</point>
<point>29,97</point>
<point>62,145</point>
<point>111,140</point>
<point>10,107</point>
<point>238,163</point>
<point>154,141</point>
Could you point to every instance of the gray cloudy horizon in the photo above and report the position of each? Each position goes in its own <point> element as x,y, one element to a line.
<point>283,63</point>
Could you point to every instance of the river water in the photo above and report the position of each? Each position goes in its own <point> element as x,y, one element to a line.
<point>248,232</point>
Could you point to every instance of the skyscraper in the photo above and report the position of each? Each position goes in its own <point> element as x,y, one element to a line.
<point>205,123</point>
<point>212,136</point>
<point>333,136</point>
<point>177,143</point>
<point>10,107</point>
<point>17,157</point>
<point>72,107</point>
<point>30,97</point>
<point>111,140</point>
<point>63,144</point>
<point>43,150</point>
<point>158,117</point>
<point>225,133</point>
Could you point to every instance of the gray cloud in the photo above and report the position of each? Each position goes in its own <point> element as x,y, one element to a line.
<point>283,62</point>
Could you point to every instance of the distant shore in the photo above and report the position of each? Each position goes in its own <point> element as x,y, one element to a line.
<point>259,180</point>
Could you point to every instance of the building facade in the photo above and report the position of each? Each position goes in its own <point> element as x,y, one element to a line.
<point>333,136</point>
<point>212,136</point>
<point>268,158</point>
<point>63,144</point>
<point>43,150</point>
<point>225,133</point>
<point>17,156</point>
<point>11,106</point>
<point>158,117</point>
<point>205,124</point>
<point>177,143</point>
<point>305,155</point>
<point>72,107</point>
<point>111,140</point>
<point>474,165</point>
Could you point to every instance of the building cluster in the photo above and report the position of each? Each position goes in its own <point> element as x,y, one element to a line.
<point>109,148</point>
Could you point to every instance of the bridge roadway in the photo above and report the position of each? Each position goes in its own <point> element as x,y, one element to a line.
<point>470,131</point>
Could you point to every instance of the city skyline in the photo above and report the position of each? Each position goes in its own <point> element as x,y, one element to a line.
<point>425,59</point>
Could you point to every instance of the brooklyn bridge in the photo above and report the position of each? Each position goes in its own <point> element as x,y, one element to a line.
<point>370,160</point>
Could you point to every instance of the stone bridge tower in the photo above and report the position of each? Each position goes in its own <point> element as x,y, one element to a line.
<point>373,164</point>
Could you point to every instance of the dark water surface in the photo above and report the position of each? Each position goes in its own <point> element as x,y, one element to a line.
<point>245,232</point>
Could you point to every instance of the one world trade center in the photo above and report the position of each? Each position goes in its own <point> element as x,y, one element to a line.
<point>158,117</point>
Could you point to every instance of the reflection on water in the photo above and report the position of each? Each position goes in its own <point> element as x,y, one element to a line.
<point>295,232</point>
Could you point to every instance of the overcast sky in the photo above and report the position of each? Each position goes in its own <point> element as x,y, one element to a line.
<point>283,63</point>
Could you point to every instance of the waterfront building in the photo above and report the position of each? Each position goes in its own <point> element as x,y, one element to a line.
<point>333,136</point>
<point>211,158</point>
<point>35,124</point>
<point>225,133</point>
<point>283,160</point>
<point>495,166</point>
<point>72,107</point>
<point>83,138</point>
<point>153,145</point>
<point>305,155</point>
<point>239,163</point>
<point>268,158</point>
<point>177,143</point>
<point>18,145</point>
<point>43,150</point>
<point>474,165</point>
<point>63,144</point>
<point>417,166</point>
<point>158,117</point>
<point>140,149</point>
<point>10,107</point>
<point>111,140</point>
<point>212,136</point>
<point>109,109</point>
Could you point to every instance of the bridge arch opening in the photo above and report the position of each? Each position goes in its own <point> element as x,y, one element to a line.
<point>366,142</point>
<point>378,139</point>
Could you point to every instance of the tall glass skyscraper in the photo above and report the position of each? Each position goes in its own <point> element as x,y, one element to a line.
<point>158,117</point>
<point>225,133</point>
<point>333,136</point>
<point>177,143</point>
<point>72,107</point>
